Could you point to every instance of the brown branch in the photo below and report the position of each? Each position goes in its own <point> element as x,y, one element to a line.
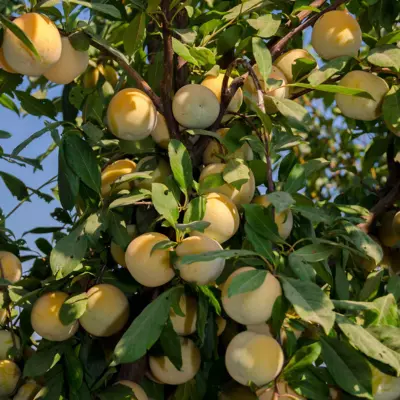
<point>142,84</point>
<point>168,79</point>
<point>278,48</point>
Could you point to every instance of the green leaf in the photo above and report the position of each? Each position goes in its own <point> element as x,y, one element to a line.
<point>302,67</point>
<point>210,182</point>
<point>263,57</point>
<point>202,315</point>
<point>94,133</point>
<point>74,369</point>
<point>135,34</point>
<point>266,25</point>
<point>79,41</point>
<point>68,253</point>
<point>128,200</point>
<point>387,56</point>
<point>393,286</point>
<point>163,245</point>
<point>42,361</point>
<point>281,201</point>
<point>387,335</point>
<point>260,243</point>
<point>213,255</point>
<point>171,345</point>
<point>371,286</point>
<point>20,34</point>
<point>181,165</point>
<point>391,37</point>
<point>14,185</point>
<point>367,343</point>
<point>6,102</point>
<point>203,55</point>
<point>118,231</point>
<point>183,51</point>
<point>4,134</point>
<point>353,305</point>
<point>245,8</point>
<point>82,160</point>
<point>209,294</point>
<point>131,177</point>
<point>247,282</point>
<point>228,39</point>
<point>314,252</point>
<point>301,268</point>
<point>302,359</point>
<point>153,5</point>
<point>99,7</point>
<point>310,302</point>
<point>199,226</point>
<point>34,106</point>
<point>296,115</point>
<point>68,181</point>
<point>236,173</point>
<point>391,108</point>
<point>328,70</point>
<point>335,89</point>
<point>117,392</point>
<point>348,367</point>
<point>165,203</point>
<point>73,308</point>
<point>146,328</point>
<point>387,312</point>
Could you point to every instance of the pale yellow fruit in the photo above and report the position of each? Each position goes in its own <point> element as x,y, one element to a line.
<point>358,107</point>
<point>131,115</point>
<point>221,325</point>
<point>214,83</point>
<point>4,64</point>
<point>9,377</point>
<point>242,196</point>
<point>45,318</point>
<point>91,77</point>
<point>223,217</point>
<point>10,267</point>
<point>114,171</point>
<point>384,387</point>
<point>71,64</point>
<point>6,343</point>
<point>262,329</point>
<point>195,106</point>
<point>118,254</point>
<point>251,357</point>
<point>252,307</point>
<point>159,174</point>
<point>335,34</point>
<point>107,311</point>
<point>137,390</point>
<point>45,37</point>
<point>164,371</point>
<point>27,391</point>
<point>216,152</point>
<point>282,388</point>
<point>386,232</point>
<point>186,325</point>
<point>160,134</point>
<point>110,74</point>
<point>283,220</point>
<point>149,269</point>
<point>201,273</point>
<point>288,59</point>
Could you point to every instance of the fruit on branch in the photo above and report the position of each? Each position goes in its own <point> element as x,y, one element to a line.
<point>384,387</point>
<point>237,392</point>
<point>4,64</point>
<point>45,37</point>
<point>286,61</point>
<point>186,325</point>
<point>201,273</point>
<point>221,325</point>
<point>158,168</point>
<point>9,377</point>
<point>283,220</point>
<point>386,232</point>
<point>164,371</point>
<point>336,33</point>
<point>109,73</point>
<point>6,343</point>
<point>253,307</point>
<point>160,133</point>
<point>276,88</point>
<point>358,107</point>
<point>91,77</point>
<point>244,195</point>
<point>214,83</point>
<point>27,391</point>
<point>195,106</point>
<point>117,252</point>
<point>149,268</point>
<point>107,311</point>
<point>131,115</point>
<point>251,357</point>
<point>114,171</point>
<point>45,318</point>
<point>71,64</point>
<point>216,152</point>
<point>223,216</point>
<point>10,267</point>
<point>282,388</point>
<point>139,393</point>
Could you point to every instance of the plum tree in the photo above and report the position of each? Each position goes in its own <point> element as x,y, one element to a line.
<point>107,311</point>
<point>186,325</point>
<point>195,106</point>
<point>7,343</point>
<point>10,267</point>
<point>157,167</point>
<point>164,371</point>
<point>27,391</point>
<point>131,115</point>
<point>337,33</point>
<point>223,217</point>
<point>45,318</point>
<point>137,390</point>
<point>114,171</point>
<point>361,108</point>
<point>244,195</point>
<point>252,307</point>
<point>149,268</point>
<point>71,64</point>
<point>9,377</point>
<point>43,34</point>
<point>251,357</point>
<point>286,61</point>
<point>201,273</point>
<point>117,252</point>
